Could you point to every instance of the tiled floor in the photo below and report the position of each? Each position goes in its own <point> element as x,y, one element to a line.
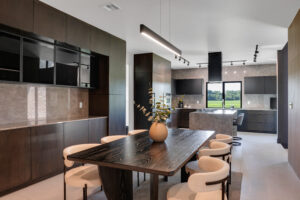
<point>263,162</point>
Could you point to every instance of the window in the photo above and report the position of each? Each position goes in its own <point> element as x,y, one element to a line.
<point>229,92</point>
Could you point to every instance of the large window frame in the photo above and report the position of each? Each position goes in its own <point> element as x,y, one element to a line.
<point>223,92</point>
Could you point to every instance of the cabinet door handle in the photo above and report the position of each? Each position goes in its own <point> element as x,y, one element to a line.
<point>291,105</point>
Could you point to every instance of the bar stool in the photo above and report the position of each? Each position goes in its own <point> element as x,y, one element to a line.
<point>238,122</point>
<point>209,185</point>
<point>223,138</point>
<point>83,176</point>
<point>111,138</point>
<point>137,131</point>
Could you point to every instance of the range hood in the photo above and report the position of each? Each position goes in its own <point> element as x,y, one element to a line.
<point>215,66</point>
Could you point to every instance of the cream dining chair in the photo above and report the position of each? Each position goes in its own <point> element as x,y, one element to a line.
<point>208,185</point>
<point>82,176</point>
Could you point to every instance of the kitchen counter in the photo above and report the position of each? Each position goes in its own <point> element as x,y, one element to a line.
<point>219,120</point>
<point>34,123</point>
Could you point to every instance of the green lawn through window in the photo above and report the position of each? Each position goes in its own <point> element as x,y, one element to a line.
<point>228,104</point>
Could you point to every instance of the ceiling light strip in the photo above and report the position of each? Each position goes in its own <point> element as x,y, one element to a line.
<point>147,32</point>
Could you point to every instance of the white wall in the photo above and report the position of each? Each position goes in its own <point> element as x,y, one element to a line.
<point>129,91</point>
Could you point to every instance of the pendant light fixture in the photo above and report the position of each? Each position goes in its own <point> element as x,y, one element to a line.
<point>150,34</point>
<point>147,32</point>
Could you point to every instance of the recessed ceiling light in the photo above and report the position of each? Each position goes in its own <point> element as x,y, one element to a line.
<point>111,7</point>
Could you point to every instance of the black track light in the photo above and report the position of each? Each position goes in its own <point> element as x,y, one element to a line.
<point>244,63</point>
<point>175,56</point>
<point>231,63</point>
<point>179,58</point>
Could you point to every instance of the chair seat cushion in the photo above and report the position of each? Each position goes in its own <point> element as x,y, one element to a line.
<point>193,167</point>
<point>183,192</point>
<point>79,176</point>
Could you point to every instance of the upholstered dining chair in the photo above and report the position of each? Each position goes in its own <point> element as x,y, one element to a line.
<point>208,185</point>
<point>82,176</point>
<point>111,138</point>
<point>136,131</point>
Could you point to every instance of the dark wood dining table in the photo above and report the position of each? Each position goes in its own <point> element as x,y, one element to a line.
<point>117,160</point>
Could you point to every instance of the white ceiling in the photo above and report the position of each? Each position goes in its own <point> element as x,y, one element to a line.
<point>194,26</point>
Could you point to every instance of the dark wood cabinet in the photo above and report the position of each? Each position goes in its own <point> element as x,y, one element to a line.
<point>117,66</point>
<point>17,13</point>
<point>97,129</point>
<point>254,85</point>
<point>183,117</point>
<point>78,33</point>
<point>76,132</point>
<point>270,85</point>
<point>49,22</point>
<point>263,121</point>
<point>15,167</point>
<point>99,41</point>
<point>46,150</point>
<point>150,71</point>
<point>117,115</point>
<point>260,85</point>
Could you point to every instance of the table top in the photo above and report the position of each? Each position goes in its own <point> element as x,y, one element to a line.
<point>140,153</point>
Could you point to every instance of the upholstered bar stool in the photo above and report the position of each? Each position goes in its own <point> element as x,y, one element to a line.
<point>223,138</point>
<point>111,138</point>
<point>83,176</point>
<point>208,185</point>
<point>238,122</point>
<point>137,131</point>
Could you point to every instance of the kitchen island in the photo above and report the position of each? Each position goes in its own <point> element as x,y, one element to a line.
<point>219,120</point>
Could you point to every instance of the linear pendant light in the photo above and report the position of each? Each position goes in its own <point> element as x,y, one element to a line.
<point>145,31</point>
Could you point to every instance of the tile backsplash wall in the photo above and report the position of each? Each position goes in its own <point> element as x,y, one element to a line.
<point>232,73</point>
<point>21,102</point>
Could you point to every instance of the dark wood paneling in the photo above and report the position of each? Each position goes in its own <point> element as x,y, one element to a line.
<point>254,85</point>
<point>117,115</point>
<point>150,71</point>
<point>100,41</point>
<point>97,129</point>
<point>78,32</point>
<point>46,150</point>
<point>283,96</point>
<point>184,117</point>
<point>15,167</point>
<point>17,13</point>
<point>293,94</point>
<point>49,22</point>
<point>76,132</point>
<point>117,66</point>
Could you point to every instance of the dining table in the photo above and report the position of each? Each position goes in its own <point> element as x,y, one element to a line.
<point>117,160</point>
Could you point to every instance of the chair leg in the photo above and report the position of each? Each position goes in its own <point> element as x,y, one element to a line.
<point>138,179</point>
<point>101,188</point>
<point>144,176</point>
<point>65,192</point>
<point>166,178</point>
<point>65,187</point>
<point>85,192</point>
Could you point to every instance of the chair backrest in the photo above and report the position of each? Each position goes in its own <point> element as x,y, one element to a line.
<point>223,138</point>
<point>74,149</point>
<point>111,138</point>
<point>240,119</point>
<point>216,175</point>
<point>137,131</point>
<point>216,149</point>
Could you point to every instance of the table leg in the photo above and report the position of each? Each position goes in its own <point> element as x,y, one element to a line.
<point>117,183</point>
<point>153,187</point>
<point>184,175</point>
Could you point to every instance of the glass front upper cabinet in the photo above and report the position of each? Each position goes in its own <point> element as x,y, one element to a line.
<point>67,67</point>
<point>38,62</point>
<point>9,57</point>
